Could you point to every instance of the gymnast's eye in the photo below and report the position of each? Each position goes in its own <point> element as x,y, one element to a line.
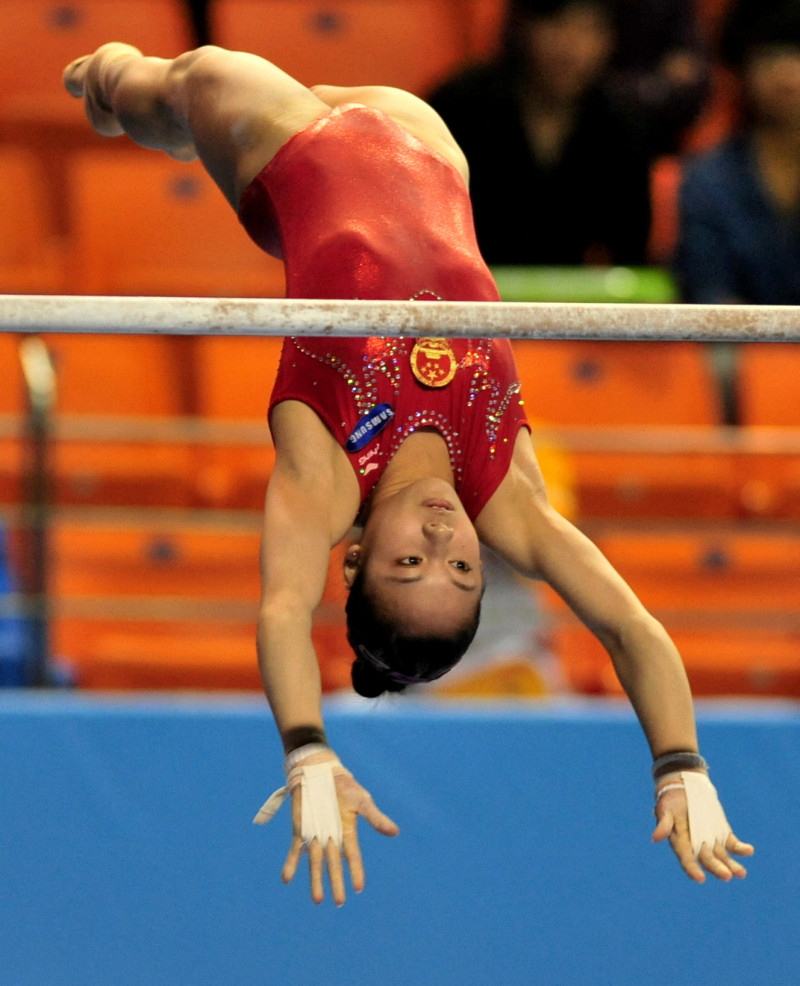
<point>409,560</point>
<point>462,566</point>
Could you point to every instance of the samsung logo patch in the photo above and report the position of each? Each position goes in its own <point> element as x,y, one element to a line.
<point>369,427</point>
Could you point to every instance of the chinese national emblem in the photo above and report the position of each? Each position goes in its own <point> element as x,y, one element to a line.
<point>433,362</point>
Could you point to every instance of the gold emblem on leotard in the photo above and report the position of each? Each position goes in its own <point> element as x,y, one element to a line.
<point>433,362</point>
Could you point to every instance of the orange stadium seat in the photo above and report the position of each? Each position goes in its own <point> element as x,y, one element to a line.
<point>40,37</point>
<point>719,662</point>
<point>412,44</point>
<point>141,559</point>
<point>12,407</point>
<point>749,662</point>
<point>767,375</point>
<point>767,384</point>
<point>31,254</point>
<point>618,383</point>
<point>485,19</point>
<point>171,605</point>
<point>143,224</point>
<point>724,572</point>
<point>122,375</point>
<point>12,391</point>
<point>234,381</point>
<point>723,597</point>
<point>107,382</point>
<point>631,385</point>
<point>139,581</point>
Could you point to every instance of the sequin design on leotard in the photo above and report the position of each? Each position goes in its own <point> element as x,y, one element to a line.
<point>360,368</point>
<point>477,415</point>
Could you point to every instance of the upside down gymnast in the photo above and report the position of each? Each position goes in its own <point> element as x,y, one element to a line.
<point>424,445</point>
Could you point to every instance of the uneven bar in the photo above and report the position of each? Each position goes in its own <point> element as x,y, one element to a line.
<point>299,317</point>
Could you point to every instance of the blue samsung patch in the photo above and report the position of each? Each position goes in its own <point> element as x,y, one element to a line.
<point>369,427</point>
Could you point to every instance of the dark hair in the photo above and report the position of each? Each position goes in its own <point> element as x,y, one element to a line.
<point>522,11</point>
<point>388,660</point>
<point>550,8</point>
<point>753,24</point>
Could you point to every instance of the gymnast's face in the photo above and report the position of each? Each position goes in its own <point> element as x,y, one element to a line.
<point>421,558</point>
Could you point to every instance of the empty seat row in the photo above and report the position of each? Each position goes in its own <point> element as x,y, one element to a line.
<point>135,224</point>
<point>406,43</point>
<point>125,416</point>
<point>170,603</point>
<point>181,237</point>
<point>156,604</point>
<point>728,599</point>
<point>642,425</point>
<point>160,420</point>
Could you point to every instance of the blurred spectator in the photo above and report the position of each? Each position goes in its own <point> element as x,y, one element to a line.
<point>739,230</point>
<point>559,175</point>
<point>660,69</point>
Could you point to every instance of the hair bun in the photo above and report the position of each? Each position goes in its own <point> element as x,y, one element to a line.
<point>369,681</point>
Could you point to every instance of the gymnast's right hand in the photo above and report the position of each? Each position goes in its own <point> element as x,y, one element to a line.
<point>326,803</point>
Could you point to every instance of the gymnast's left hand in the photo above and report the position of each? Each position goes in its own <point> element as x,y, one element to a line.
<point>326,803</point>
<point>690,815</point>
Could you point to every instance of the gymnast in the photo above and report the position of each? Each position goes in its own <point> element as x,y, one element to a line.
<point>423,447</point>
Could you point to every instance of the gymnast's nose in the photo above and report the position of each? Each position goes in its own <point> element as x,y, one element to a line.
<point>437,531</point>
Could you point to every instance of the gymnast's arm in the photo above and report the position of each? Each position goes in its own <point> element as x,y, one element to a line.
<point>311,502</point>
<point>535,540</point>
<point>521,526</point>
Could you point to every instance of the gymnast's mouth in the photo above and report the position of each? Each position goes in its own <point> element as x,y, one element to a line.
<point>436,504</point>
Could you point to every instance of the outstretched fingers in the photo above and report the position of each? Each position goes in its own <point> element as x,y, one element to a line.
<point>675,827</point>
<point>352,853</point>
<point>376,818</point>
<point>292,860</point>
<point>316,859</point>
<point>333,859</point>
<point>732,866</point>
<point>716,860</point>
<point>735,845</point>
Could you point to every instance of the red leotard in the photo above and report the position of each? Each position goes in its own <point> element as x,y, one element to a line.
<point>359,208</point>
<point>478,413</point>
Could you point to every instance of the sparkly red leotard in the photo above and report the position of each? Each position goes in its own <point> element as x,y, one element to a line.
<point>359,208</point>
<point>364,390</point>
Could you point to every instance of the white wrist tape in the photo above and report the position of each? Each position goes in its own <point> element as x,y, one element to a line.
<point>707,822</point>
<point>291,760</point>
<point>321,818</point>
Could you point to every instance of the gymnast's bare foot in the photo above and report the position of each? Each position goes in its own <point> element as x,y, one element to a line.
<point>96,79</point>
<point>86,79</point>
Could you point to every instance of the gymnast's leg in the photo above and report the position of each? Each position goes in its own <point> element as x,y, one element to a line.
<point>232,110</point>
<point>411,112</point>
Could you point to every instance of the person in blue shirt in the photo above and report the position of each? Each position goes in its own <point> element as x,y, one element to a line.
<point>739,230</point>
